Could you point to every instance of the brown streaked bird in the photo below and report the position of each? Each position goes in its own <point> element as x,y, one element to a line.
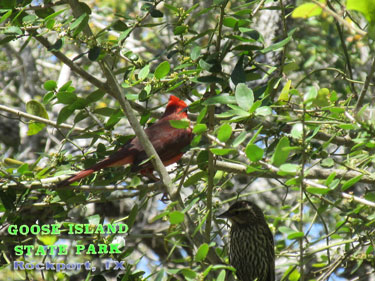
<point>168,142</point>
<point>251,250</point>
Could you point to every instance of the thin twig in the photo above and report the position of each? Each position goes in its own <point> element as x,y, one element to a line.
<point>365,87</point>
<point>302,192</point>
<point>345,50</point>
<point>41,120</point>
<point>339,19</point>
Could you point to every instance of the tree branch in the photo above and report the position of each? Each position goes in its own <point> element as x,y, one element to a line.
<point>41,120</point>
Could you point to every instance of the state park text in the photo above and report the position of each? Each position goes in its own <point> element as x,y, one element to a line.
<point>70,229</point>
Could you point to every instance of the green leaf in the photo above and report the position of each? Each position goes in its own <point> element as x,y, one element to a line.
<point>23,169</point>
<point>94,53</point>
<point>297,131</point>
<point>50,85</point>
<point>8,199</point>
<point>202,252</point>
<point>29,19</point>
<point>254,152</point>
<point>222,151</point>
<point>307,10</point>
<point>199,129</point>
<point>317,190</point>
<point>230,22</point>
<point>238,74</point>
<point>192,8</point>
<point>94,96</point>
<point>160,275</point>
<point>292,273</point>
<point>144,72</point>
<point>119,25</point>
<point>311,95</point>
<point>7,39</point>
<point>277,45</point>
<point>247,47</point>
<point>323,98</point>
<point>180,124</point>
<point>195,52</point>
<point>289,168</point>
<point>209,79</point>
<point>48,97</point>
<point>34,128</point>
<point>350,182</point>
<point>254,137</point>
<point>370,196</point>
<point>105,111</point>
<point>202,114</point>
<point>79,24</point>
<point>53,15</point>
<point>48,239</point>
<point>56,46</point>
<point>284,96</point>
<point>36,108</point>
<point>286,230</point>
<point>244,38</point>
<point>224,133</point>
<point>114,119</point>
<point>327,163</point>
<point>296,235</point>
<point>263,111</point>
<point>156,13</point>
<point>221,276</point>
<point>188,273</point>
<point>13,30</point>
<point>5,16</point>
<point>162,70</point>
<point>208,65</point>
<point>147,7</point>
<point>220,99</point>
<point>132,216</point>
<point>244,96</point>
<point>281,154</point>
<point>66,97</point>
<point>366,7</point>
<point>239,139</point>
<point>124,35</point>
<point>255,106</point>
<point>180,29</point>
<point>64,114</point>
<point>94,219</point>
<point>176,217</point>
<point>192,180</point>
<point>330,178</point>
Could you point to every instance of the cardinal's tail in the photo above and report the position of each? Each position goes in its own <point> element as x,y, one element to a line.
<point>112,161</point>
<point>76,177</point>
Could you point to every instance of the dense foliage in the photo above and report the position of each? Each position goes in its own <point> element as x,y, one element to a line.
<point>281,105</point>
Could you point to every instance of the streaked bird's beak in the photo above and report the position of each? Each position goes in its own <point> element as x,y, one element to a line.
<point>224,215</point>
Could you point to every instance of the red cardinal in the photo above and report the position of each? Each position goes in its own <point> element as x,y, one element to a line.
<point>167,141</point>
